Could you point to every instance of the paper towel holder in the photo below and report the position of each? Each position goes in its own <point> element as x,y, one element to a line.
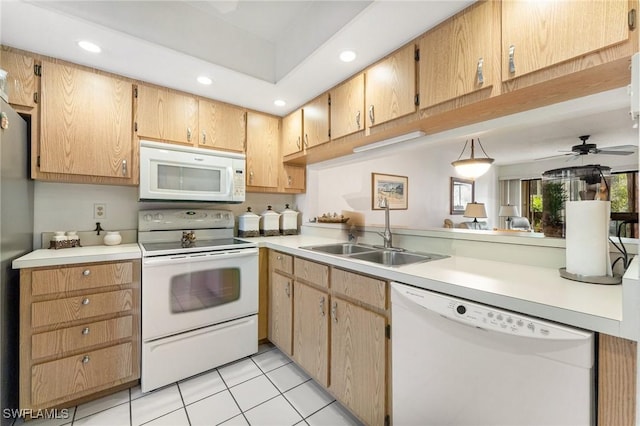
<point>591,279</point>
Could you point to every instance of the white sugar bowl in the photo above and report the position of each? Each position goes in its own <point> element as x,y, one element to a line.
<point>289,221</point>
<point>269,223</point>
<point>112,238</point>
<point>248,224</point>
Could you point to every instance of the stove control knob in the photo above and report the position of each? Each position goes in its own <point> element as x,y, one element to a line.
<point>461,309</point>
<point>158,216</point>
<point>148,217</point>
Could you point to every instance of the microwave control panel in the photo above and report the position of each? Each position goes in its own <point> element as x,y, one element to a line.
<point>238,183</point>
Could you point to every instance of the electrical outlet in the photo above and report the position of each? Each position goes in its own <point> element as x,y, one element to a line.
<point>99,211</point>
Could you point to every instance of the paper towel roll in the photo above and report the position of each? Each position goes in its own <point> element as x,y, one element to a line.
<point>587,237</point>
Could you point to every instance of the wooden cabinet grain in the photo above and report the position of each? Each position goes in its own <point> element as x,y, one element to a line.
<point>85,123</point>
<point>263,150</point>
<point>294,178</point>
<point>166,115</point>
<point>292,133</point>
<point>347,107</point>
<point>81,337</point>
<point>459,56</point>
<point>222,126</point>
<point>21,78</point>
<point>536,35</point>
<point>281,301</point>
<point>311,331</point>
<point>391,87</point>
<point>315,121</point>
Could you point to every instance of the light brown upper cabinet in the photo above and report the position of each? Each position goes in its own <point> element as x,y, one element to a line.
<point>85,122</point>
<point>315,121</point>
<point>263,151</point>
<point>292,133</point>
<point>457,57</point>
<point>166,116</point>
<point>222,126</point>
<point>294,178</point>
<point>21,78</point>
<point>391,87</point>
<point>347,107</point>
<point>538,34</point>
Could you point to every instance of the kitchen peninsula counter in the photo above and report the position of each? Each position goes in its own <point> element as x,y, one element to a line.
<point>532,290</point>
<point>67,256</point>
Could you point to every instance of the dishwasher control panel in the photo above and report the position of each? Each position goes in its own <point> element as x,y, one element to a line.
<point>487,317</point>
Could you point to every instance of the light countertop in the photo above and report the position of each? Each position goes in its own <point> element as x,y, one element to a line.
<point>531,290</point>
<point>101,253</point>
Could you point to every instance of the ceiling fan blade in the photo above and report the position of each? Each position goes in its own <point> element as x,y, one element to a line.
<point>555,156</point>
<point>607,152</point>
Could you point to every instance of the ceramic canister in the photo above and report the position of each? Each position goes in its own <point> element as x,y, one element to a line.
<point>248,224</point>
<point>269,222</point>
<point>289,221</point>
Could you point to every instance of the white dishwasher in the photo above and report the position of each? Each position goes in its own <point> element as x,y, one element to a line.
<point>460,363</point>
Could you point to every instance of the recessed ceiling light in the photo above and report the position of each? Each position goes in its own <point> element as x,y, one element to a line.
<point>279,102</point>
<point>204,80</point>
<point>347,55</point>
<point>89,47</point>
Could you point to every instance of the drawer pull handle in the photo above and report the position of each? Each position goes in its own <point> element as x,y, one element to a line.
<point>85,331</point>
<point>322,306</point>
<point>512,60</point>
<point>287,289</point>
<point>85,359</point>
<point>85,301</point>
<point>371,115</point>
<point>358,119</point>
<point>86,272</point>
<point>334,311</point>
<point>479,72</point>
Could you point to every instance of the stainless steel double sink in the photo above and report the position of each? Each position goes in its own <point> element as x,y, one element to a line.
<point>381,256</point>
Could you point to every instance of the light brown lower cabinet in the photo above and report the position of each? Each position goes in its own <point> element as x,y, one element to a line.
<point>280,305</point>
<point>617,372</point>
<point>79,332</point>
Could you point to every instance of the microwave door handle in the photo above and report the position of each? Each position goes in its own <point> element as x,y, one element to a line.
<point>230,180</point>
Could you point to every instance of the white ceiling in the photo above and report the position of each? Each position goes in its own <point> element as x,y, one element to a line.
<point>259,51</point>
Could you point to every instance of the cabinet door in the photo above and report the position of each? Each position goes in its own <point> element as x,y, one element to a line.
<point>280,312</point>
<point>544,33</point>
<point>292,133</point>
<point>294,177</point>
<point>456,58</point>
<point>166,116</point>
<point>316,121</point>
<point>21,78</point>
<point>391,87</point>
<point>263,159</point>
<point>221,126</point>
<point>347,107</point>
<point>86,123</point>
<point>358,360</point>
<point>311,331</point>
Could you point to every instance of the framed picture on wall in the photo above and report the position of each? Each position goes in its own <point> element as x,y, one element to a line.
<point>462,192</point>
<point>394,188</point>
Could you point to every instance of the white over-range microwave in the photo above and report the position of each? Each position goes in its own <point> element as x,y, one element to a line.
<point>177,173</point>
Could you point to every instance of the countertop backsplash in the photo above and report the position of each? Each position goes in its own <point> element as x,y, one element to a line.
<point>91,238</point>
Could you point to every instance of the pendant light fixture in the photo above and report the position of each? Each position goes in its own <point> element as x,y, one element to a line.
<point>472,167</point>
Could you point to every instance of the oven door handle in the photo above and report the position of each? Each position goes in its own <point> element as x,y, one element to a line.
<point>199,257</point>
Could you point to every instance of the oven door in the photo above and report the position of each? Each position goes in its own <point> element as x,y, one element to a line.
<point>186,291</point>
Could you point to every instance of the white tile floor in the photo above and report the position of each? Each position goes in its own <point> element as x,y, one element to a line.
<point>263,390</point>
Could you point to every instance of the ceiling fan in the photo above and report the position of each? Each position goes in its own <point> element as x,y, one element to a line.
<point>585,148</point>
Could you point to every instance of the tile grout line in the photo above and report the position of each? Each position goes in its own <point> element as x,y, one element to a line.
<point>184,406</point>
<point>233,397</point>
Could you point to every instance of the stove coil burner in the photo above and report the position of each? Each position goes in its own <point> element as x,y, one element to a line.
<point>188,239</point>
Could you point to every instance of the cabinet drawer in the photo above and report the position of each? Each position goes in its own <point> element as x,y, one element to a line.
<point>312,272</point>
<point>359,287</point>
<point>68,376</point>
<point>47,281</point>
<point>280,262</point>
<point>80,307</point>
<point>81,336</point>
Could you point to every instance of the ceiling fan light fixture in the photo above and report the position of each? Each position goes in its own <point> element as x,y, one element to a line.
<point>472,167</point>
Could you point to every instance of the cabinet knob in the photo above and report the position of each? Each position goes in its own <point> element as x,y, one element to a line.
<point>279,257</point>
<point>479,72</point>
<point>85,331</point>
<point>124,167</point>
<point>358,119</point>
<point>86,272</point>
<point>85,359</point>
<point>512,61</point>
<point>85,301</point>
<point>371,114</point>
